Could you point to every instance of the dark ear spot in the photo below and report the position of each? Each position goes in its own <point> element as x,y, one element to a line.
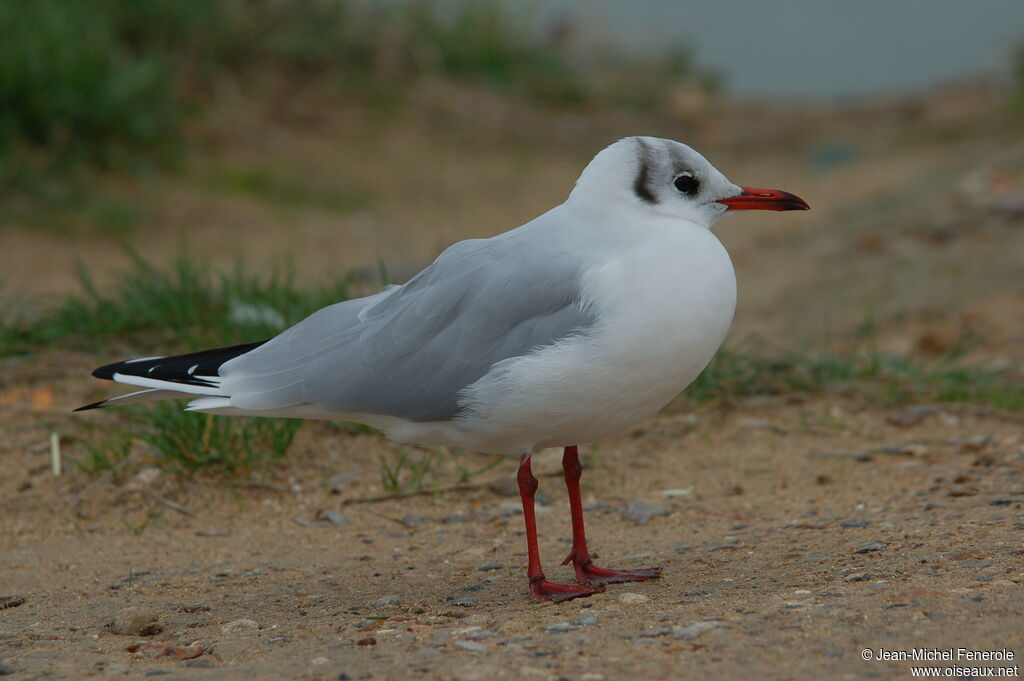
<point>642,183</point>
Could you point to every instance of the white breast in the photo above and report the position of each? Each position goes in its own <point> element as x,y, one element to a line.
<point>664,303</point>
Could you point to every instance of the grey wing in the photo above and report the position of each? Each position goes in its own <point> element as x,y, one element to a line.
<point>410,352</point>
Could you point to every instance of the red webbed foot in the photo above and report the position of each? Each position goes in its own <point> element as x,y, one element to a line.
<point>588,573</point>
<point>543,590</point>
<point>592,574</point>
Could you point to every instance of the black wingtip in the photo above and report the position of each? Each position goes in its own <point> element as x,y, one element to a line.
<point>106,371</point>
<point>94,405</point>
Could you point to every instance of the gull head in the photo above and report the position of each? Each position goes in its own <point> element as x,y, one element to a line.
<point>667,178</point>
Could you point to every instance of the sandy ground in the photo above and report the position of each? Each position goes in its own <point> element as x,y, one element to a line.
<point>794,532</point>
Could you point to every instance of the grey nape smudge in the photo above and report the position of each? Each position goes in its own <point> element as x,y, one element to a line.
<point>641,186</point>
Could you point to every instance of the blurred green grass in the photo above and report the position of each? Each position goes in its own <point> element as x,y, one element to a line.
<point>186,442</point>
<point>183,307</point>
<point>890,380</point>
<point>111,83</point>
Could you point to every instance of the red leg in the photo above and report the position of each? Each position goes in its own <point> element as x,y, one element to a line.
<point>540,588</point>
<point>586,571</point>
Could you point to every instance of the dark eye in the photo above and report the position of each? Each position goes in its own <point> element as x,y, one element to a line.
<point>686,183</point>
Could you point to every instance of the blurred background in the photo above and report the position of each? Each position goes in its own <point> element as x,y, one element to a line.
<point>323,143</point>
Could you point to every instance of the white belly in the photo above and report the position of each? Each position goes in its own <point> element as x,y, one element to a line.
<point>664,306</point>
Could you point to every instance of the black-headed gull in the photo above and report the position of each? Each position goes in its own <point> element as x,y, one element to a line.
<point>571,328</point>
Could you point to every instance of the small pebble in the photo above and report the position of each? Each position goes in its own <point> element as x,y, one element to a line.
<point>677,493</point>
<point>873,546</point>
<point>640,512</point>
<point>212,533</point>
<point>694,630</point>
<point>390,599</point>
<point>510,641</point>
<point>510,508</point>
<point>336,519</point>
<point>136,621</point>
<point>11,601</point>
<point>490,566</point>
<point>480,635</point>
<point>962,491</point>
<point>857,577</point>
<point>975,563</point>
<point>592,676</point>
<point>319,661</point>
<point>239,625</point>
<point>584,621</point>
<point>505,486</point>
<point>6,669</point>
<point>630,598</point>
<point>464,602</point>
<point>414,519</point>
<point>195,608</point>
<point>471,645</point>
<point>655,633</point>
<point>474,672</point>
<point>368,641</point>
<point>560,627</point>
<point>905,417</point>
<point>855,523</point>
<point>337,483</point>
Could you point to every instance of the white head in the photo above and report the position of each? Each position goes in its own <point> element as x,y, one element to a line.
<point>667,178</point>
